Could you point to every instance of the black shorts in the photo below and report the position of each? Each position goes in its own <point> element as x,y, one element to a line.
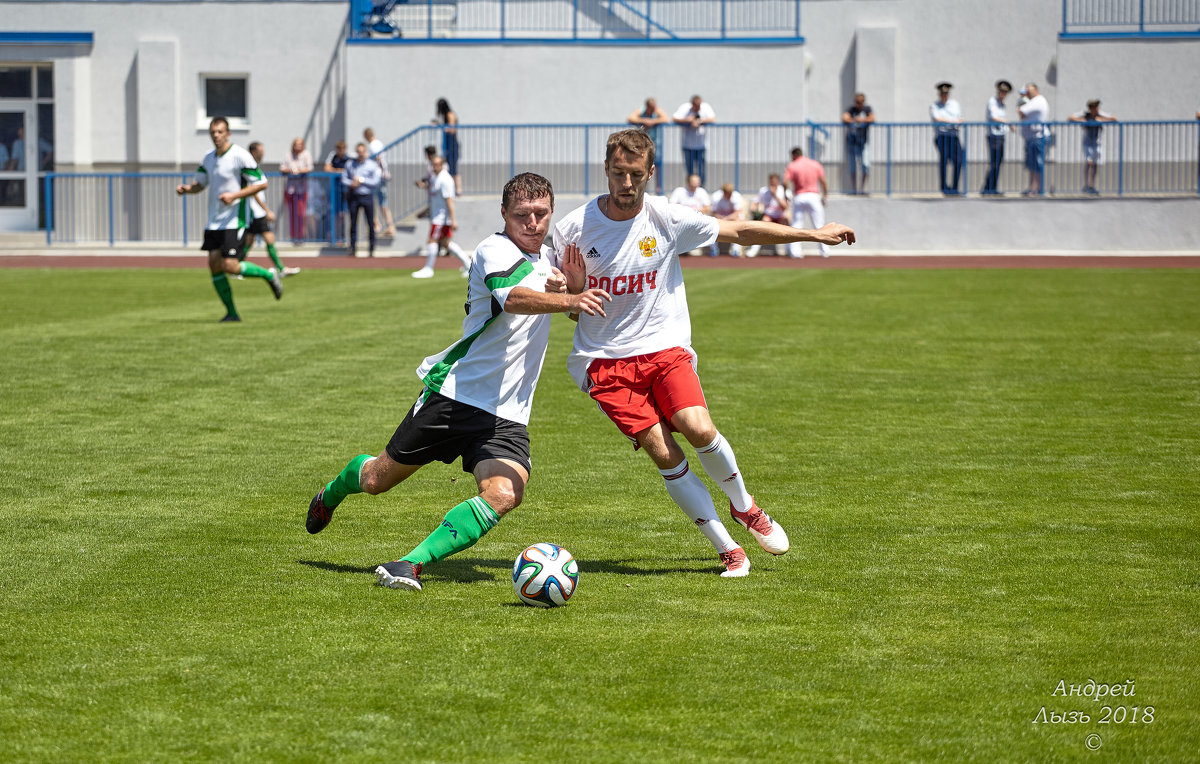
<point>228,241</point>
<point>259,226</point>
<point>439,429</point>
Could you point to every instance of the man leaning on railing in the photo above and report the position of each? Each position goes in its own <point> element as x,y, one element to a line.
<point>1093,151</point>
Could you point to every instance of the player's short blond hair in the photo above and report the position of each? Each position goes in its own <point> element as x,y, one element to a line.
<point>632,141</point>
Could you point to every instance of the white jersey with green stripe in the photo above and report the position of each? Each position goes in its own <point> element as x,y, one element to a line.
<point>496,364</point>
<point>231,171</point>
<point>256,210</point>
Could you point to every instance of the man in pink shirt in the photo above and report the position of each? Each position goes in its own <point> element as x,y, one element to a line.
<point>809,190</point>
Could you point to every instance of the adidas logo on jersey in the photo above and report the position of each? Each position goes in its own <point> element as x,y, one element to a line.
<point>592,253</point>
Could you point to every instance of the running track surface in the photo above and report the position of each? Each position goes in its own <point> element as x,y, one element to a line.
<point>835,262</point>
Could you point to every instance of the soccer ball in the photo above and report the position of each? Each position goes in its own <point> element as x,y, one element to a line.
<point>545,575</point>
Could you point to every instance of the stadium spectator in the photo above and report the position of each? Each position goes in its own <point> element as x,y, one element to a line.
<point>637,363</point>
<point>296,166</point>
<point>336,162</point>
<point>694,197</point>
<point>483,386</point>
<point>46,150</point>
<point>809,192</point>
<point>449,122</point>
<point>16,160</point>
<point>858,118</point>
<point>381,218</point>
<point>1035,112</point>
<point>430,155</point>
<point>426,179</point>
<point>998,127</point>
<point>361,178</point>
<point>695,116</point>
<point>442,221</point>
<point>651,118</point>
<point>261,217</point>
<point>773,204</point>
<point>233,175</point>
<point>727,204</point>
<point>1093,151</point>
<point>318,208</point>
<point>947,116</point>
<point>338,158</point>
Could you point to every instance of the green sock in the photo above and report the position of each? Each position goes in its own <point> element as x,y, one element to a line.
<point>346,482</point>
<point>224,291</point>
<point>274,257</point>
<point>463,526</point>
<point>250,269</point>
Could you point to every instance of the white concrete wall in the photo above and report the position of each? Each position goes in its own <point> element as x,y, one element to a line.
<point>893,50</point>
<point>286,47</point>
<point>510,83</point>
<point>113,110</point>
<point>1134,79</point>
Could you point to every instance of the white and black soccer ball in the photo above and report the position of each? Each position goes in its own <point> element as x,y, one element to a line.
<point>545,575</point>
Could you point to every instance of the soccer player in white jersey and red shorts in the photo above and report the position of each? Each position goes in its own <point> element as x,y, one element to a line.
<point>636,360</point>
<point>442,221</point>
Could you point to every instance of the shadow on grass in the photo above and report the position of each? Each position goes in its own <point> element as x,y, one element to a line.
<point>189,321</point>
<point>333,567</point>
<point>468,569</point>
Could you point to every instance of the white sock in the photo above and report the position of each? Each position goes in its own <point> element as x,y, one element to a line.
<point>457,251</point>
<point>431,250</point>
<point>721,465</point>
<point>688,491</point>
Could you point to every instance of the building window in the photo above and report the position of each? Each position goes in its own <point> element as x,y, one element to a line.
<point>225,95</point>
<point>16,82</point>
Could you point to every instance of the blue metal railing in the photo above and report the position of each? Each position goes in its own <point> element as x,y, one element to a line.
<point>1136,159</point>
<point>132,207</point>
<point>1130,18</point>
<point>656,21</point>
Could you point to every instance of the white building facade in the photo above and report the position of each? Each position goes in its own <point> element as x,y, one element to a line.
<point>130,86</point>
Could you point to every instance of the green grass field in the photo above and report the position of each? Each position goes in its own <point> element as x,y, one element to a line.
<point>990,479</point>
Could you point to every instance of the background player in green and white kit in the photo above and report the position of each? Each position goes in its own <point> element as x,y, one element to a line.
<point>479,391</point>
<point>261,219</point>
<point>234,176</point>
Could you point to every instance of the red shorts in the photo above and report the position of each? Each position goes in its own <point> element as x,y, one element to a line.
<point>438,232</point>
<point>639,392</point>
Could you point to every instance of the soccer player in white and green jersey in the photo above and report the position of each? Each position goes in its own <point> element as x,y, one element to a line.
<point>261,218</point>
<point>234,176</point>
<point>479,391</point>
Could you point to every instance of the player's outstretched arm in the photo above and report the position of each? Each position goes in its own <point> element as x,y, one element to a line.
<point>765,232</point>
<point>527,302</point>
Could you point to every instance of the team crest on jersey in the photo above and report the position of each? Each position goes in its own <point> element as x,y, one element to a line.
<point>649,246</point>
